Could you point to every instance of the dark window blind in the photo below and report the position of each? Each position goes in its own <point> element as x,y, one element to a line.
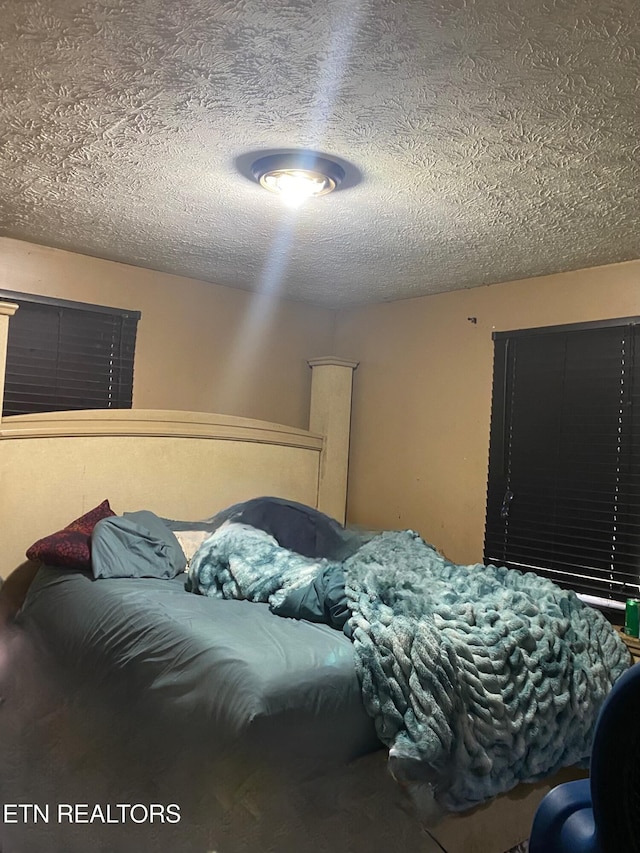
<point>564,461</point>
<point>64,355</point>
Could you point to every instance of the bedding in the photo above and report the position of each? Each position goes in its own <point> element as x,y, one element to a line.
<point>295,526</point>
<point>217,703</point>
<point>478,678</point>
<point>137,544</point>
<point>134,691</point>
<point>228,670</point>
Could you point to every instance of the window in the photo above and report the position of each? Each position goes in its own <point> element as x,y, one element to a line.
<point>65,355</point>
<point>564,462</point>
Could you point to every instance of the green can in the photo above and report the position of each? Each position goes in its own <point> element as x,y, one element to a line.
<point>631,620</point>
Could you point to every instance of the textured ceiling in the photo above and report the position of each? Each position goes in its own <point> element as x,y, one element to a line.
<point>489,140</point>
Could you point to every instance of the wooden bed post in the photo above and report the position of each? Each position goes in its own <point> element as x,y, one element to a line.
<point>7,310</point>
<point>330,415</point>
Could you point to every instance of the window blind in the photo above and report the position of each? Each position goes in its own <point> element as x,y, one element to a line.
<point>563,495</point>
<point>65,355</point>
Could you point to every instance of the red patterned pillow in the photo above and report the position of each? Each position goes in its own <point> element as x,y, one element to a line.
<point>71,546</point>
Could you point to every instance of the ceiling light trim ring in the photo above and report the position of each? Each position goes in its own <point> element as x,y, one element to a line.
<point>321,175</point>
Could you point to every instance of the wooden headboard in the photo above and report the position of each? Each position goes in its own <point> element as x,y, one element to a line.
<point>188,465</point>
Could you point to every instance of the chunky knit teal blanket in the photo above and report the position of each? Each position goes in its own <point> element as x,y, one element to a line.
<point>478,678</point>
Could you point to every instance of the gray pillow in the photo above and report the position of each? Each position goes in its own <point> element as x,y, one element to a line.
<point>135,545</point>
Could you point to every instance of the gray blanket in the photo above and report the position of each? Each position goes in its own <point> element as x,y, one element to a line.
<point>478,678</point>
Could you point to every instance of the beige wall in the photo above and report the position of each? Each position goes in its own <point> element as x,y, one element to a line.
<point>422,392</point>
<point>422,395</point>
<point>201,347</point>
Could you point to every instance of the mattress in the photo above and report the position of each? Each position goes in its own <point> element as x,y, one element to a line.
<point>229,670</point>
<point>211,717</point>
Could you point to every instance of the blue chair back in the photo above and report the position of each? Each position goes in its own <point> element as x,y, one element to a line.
<point>601,814</point>
<point>615,766</point>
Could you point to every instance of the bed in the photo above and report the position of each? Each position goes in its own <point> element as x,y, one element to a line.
<point>137,716</point>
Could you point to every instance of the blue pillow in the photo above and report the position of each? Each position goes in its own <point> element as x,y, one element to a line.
<point>135,545</point>
<point>294,526</point>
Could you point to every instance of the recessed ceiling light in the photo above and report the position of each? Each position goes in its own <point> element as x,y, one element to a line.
<point>296,177</point>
